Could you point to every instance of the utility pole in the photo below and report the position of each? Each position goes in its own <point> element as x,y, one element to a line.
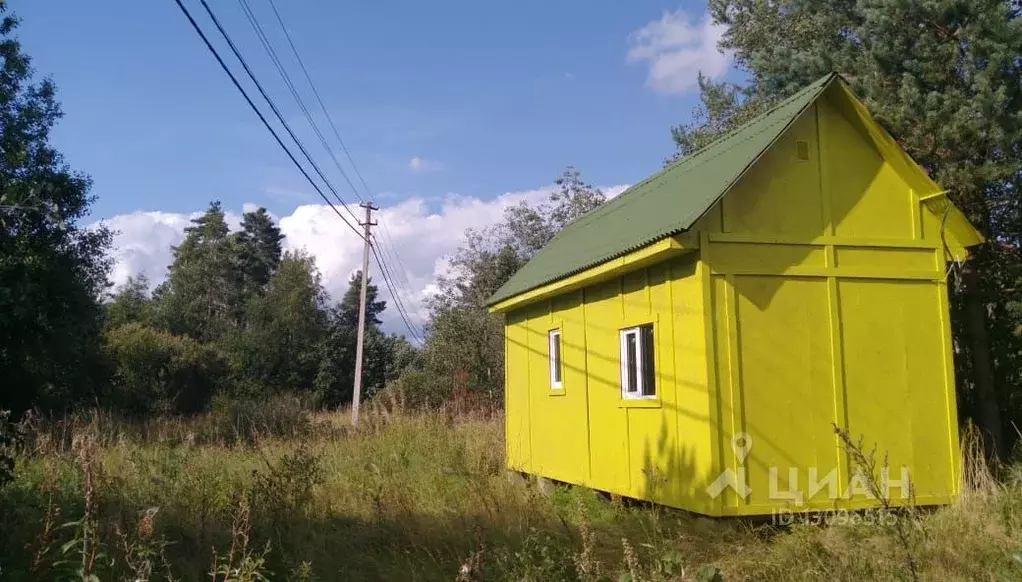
<point>367,225</point>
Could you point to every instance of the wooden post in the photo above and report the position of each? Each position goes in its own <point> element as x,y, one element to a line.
<point>357,395</point>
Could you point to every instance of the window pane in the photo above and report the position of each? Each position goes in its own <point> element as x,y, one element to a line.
<point>648,371</point>
<point>631,363</point>
<point>556,360</point>
<point>554,356</point>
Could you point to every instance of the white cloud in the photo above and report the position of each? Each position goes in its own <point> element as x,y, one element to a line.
<point>143,241</point>
<point>419,165</point>
<point>422,237</point>
<point>677,48</point>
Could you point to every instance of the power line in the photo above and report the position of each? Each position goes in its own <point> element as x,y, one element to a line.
<point>397,300</point>
<point>272,105</point>
<point>401,309</point>
<point>408,288</point>
<point>282,71</point>
<point>262,118</point>
<point>390,247</point>
<point>319,99</point>
<point>387,276</point>
<point>400,268</point>
<point>333,126</point>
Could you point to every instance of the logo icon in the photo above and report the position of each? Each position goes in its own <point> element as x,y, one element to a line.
<point>741,444</point>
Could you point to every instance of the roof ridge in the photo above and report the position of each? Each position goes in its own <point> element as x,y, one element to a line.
<point>665,203</point>
<point>771,110</point>
<point>690,160</point>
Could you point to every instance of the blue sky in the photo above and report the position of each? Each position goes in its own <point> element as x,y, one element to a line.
<point>491,98</point>
<point>498,96</point>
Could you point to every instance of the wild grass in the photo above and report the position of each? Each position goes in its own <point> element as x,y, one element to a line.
<point>420,497</point>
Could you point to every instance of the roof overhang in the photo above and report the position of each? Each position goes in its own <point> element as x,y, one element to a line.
<point>957,232</point>
<point>655,252</point>
<point>598,245</point>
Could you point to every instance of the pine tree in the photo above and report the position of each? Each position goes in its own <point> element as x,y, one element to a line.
<point>201,296</point>
<point>336,378</point>
<point>348,308</point>
<point>131,303</point>
<point>259,250</point>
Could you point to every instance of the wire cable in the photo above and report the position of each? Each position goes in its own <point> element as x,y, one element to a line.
<point>397,297</point>
<point>405,315</point>
<point>273,106</point>
<point>251,104</point>
<point>282,71</point>
<point>319,99</point>
<point>402,271</point>
<point>400,308</point>
<point>385,271</point>
<point>403,279</point>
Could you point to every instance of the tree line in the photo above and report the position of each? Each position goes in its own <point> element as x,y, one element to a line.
<point>236,315</point>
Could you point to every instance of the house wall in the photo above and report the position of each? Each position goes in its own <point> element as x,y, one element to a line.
<point>828,306</point>
<point>585,433</point>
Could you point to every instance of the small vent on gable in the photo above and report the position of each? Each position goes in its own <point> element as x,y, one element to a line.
<point>802,150</point>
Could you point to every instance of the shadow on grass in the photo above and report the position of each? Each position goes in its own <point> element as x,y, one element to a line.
<point>505,532</point>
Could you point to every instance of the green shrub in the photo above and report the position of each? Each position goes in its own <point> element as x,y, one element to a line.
<point>156,371</point>
<point>233,419</point>
<point>415,390</point>
<point>286,487</point>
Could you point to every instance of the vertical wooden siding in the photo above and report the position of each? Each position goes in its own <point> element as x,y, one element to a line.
<point>829,308</point>
<point>585,433</point>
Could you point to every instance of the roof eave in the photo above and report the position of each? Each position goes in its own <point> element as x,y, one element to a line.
<point>652,253</point>
<point>956,225</point>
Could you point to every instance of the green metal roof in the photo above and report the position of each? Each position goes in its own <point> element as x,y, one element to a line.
<point>662,205</point>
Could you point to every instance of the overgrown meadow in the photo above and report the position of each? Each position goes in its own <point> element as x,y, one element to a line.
<point>291,495</point>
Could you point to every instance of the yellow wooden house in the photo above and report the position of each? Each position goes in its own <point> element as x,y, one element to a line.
<point>695,340</point>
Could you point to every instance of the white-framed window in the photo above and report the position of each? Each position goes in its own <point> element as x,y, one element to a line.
<point>638,376</point>
<point>554,356</point>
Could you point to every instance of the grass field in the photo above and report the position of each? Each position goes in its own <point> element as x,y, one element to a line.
<point>418,497</point>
